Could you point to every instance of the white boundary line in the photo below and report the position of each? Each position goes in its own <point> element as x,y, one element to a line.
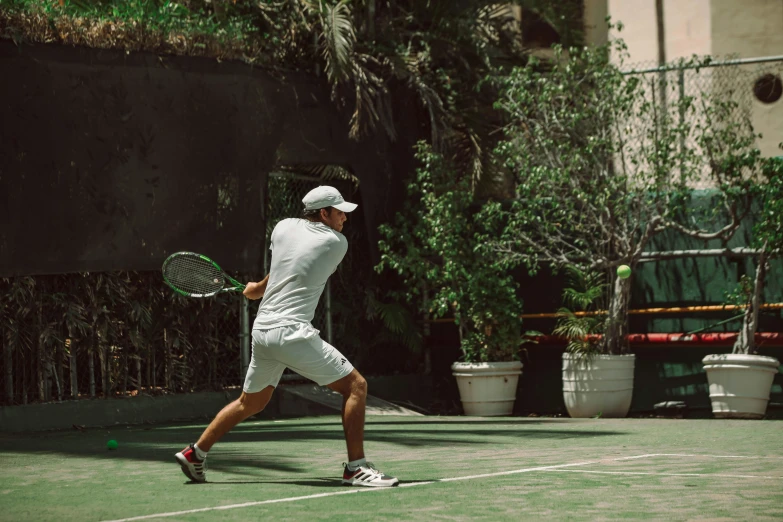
<point>650,455</point>
<point>709,456</point>
<point>554,468</point>
<point>348,492</point>
<point>638,456</point>
<point>705,475</point>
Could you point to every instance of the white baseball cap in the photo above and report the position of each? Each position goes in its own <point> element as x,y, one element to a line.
<point>326,196</point>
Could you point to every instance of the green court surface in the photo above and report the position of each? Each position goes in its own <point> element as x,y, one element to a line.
<point>451,468</point>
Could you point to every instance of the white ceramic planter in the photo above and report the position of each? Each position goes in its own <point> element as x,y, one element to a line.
<point>740,384</point>
<point>602,384</point>
<point>487,389</point>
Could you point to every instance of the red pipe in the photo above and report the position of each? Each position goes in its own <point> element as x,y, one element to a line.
<point>763,339</point>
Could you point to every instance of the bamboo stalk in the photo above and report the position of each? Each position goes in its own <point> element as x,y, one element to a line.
<point>52,372</point>
<point>91,367</point>
<point>24,379</point>
<point>167,361</point>
<point>74,372</point>
<point>39,363</point>
<point>102,365</point>
<point>60,374</point>
<point>125,370</point>
<point>9,373</point>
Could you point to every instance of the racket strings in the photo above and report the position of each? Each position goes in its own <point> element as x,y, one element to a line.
<point>193,275</point>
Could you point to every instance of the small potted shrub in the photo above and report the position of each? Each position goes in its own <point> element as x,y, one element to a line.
<point>595,382</point>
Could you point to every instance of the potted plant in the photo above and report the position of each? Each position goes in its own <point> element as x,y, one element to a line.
<point>740,382</point>
<point>594,383</point>
<point>434,245</point>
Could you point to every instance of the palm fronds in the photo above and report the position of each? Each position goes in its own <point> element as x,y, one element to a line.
<point>337,37</point>
<point>585,294</point>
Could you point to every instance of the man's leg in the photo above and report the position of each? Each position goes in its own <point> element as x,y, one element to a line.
<point>353,388</point>
<point>247,405</point>
<point>192,458</point>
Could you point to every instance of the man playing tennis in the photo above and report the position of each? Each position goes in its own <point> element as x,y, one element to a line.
<point>305,252</point>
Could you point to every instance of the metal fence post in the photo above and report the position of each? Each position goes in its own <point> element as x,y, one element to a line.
<point>681,84</point>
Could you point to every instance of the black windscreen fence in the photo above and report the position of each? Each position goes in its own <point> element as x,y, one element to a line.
<point>111,161</point>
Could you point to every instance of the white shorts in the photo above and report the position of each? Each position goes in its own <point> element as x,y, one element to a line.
<point>297,347</point>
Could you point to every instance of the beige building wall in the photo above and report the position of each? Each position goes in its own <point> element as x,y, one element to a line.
<point>639,29</point>
<point>749,29</point>
<point>746,28</point>
<point>687,26</point>
<point>595,13</point>
<point>719,28</point>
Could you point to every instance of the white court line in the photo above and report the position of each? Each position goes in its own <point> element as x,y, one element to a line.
<point>639,456</point>
<point>348,492</point>
<point>660,474</point>
<point>554,468</point>
<point>710,456</point>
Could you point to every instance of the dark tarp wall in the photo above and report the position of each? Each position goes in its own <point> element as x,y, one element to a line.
<point>111,160</point>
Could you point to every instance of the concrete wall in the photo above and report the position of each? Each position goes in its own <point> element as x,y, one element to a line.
<point>748,29</point>
<point>595,13</point>
<point>639,30</point>
<point>687,27</point>
<point>720,28</point>
<point>743,29</point>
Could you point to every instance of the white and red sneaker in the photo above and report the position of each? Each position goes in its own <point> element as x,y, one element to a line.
<point>367,476</point>
<point>192,467</point>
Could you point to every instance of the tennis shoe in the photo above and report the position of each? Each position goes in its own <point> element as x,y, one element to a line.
<point>192,467</point>
<point>367,476</point>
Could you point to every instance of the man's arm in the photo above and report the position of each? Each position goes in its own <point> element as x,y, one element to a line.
<point>256,290</point>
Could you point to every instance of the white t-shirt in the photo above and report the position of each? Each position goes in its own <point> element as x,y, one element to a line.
<point>304,255</point>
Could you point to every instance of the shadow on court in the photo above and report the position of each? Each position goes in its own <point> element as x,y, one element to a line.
<point>269,440</point>
<point>317,482</point>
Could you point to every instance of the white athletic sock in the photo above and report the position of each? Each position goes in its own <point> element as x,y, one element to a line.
<point>199,453</point>
<point>356,463</point>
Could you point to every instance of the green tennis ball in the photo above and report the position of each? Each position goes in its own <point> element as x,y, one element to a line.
<point>624,271</point>
<point>112,444</point>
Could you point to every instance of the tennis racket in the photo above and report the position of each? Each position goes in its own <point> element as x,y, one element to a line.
<point>196,275</point>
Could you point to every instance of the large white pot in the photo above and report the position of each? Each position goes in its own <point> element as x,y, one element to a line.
<point>487,389</point>
<point>601,384</point>
<point>740,384</point>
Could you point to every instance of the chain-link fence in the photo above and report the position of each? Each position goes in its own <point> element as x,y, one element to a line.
<point>87,335</point>
<point>682,94</point>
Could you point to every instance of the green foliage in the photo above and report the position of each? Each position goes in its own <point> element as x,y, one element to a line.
<point>431,55</point>
<point>598,164</point>
<point>435,246</point>
<point>768,229</point>
<point>604,160</point>
<point>742,293</point>
<point>586,294</point>
<point>338,37</point>
<point>225,21</point>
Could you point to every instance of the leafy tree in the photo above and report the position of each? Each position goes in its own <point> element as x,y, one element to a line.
<point>600,168</point>
<point>433,245</point>
<point>768,237</point>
